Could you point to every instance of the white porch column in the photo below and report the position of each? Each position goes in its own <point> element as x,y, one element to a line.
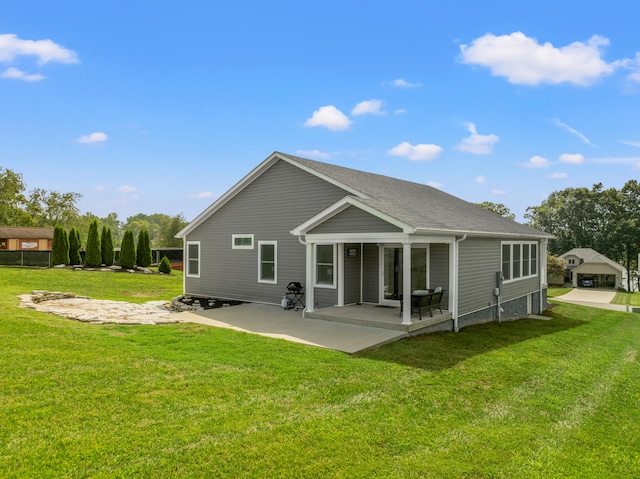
<point>340,274</point>
<point>406,283</point>
<point>309,300</point>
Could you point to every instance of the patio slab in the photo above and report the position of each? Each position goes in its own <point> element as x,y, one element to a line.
<point>275,322</point>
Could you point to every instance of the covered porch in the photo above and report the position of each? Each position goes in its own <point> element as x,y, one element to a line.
<point>384,317</point>
<point>365,261</point>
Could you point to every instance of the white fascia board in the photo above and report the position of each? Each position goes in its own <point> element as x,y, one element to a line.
<point>381,238</point>
<point>340,206</point>
<point>484,234</point>
<point>357,238</point>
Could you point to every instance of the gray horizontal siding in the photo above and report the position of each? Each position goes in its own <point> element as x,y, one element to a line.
<point>269,208</point>
<point>354,220</point>
<point>479,261</point>
<point>439,268</point>
<point>370,273</point>
<point>520,287</point>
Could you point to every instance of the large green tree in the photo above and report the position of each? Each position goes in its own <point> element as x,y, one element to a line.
<point>607,220</point>
<point>12,199</point>
<point>74,246</point>
<point>171,226</point>
<point>60,246</point>
<point>106,246</point>
<point>48,208</point>
<point>497,208</point>
<point>128,250</point>
<point>93,255</point>
<point>143,251</point>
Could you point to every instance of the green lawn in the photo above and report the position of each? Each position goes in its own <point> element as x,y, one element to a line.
<point>531,398</point>
<point>557,291</point>
<point>623,297</point>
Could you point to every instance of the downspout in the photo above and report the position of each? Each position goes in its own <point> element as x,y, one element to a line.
<point>456,273</point>
<point>303,242</point>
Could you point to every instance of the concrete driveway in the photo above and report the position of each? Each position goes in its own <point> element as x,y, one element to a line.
<point>596,298</point>
<point>275,322</point>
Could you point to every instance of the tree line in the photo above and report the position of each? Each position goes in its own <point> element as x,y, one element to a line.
<point>606,220</point>
<point>41,207</point>
<point>99,249</point>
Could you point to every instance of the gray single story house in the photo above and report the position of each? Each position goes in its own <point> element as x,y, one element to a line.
<point>356,239</point>
<point>586,266</point>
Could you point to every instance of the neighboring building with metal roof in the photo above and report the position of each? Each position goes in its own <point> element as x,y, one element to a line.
<point>19,238</point>
<point>354,238</point>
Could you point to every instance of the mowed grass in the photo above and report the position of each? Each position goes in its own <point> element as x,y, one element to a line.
<point>624,297</point>
<point>531,398</point>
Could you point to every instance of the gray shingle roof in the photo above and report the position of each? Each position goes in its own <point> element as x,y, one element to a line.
<point>588,255</point>
<point>418,205</point>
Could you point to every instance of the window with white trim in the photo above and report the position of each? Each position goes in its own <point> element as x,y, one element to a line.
<point>268,262</point>
<point>519,260</point>
<point>325,276</point>
<point>242,241</point>
<point>193,259</point>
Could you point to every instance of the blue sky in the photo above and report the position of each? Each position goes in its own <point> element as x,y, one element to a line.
<point>160,107</point>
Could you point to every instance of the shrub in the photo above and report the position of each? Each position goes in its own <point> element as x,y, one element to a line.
<point>165,265</point>
<point>74,246</point>
<point>106,246</point>
<point>93,256</point>
<point>60,246</point>
<point>128,250</point>
<point>143,251</point>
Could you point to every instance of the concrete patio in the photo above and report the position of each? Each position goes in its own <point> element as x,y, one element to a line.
<point>275,322</point>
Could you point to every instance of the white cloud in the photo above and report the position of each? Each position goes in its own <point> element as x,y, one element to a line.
<point>558,176</point>
<point>400,111</point>
<point>480,179</point>
<point>420,152</point>
<point>537,162</point>
<point>368,107</point>
<point>44,50</point>
<point>314,154</point>
<point>201,196</point>
<point>498,192</point>
<point>631,143</point>
<point>434,184</point>
<point>477,144</point>
<point>126,189</point>
<point>329,117</point>
<point>571,158</point>
<point>400,83</point>
<point>97,137</point>
<point>20,75</point>
<point>100,188</point>
<point>573,132</point>
<point>524,61</point>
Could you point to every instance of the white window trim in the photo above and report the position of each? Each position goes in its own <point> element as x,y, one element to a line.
<point>532,274</point>
<point>188,259</point>
<point>235,246</point>
<point>333,285</point>
<point>275,262</point>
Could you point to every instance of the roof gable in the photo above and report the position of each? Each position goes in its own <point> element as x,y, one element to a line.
<point>418,207</point>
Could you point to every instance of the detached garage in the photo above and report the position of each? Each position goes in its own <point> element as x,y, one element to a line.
<point>589,269</point>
